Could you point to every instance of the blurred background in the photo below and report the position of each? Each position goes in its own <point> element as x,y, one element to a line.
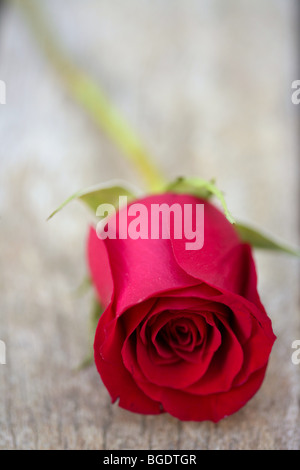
<point>206,84</point>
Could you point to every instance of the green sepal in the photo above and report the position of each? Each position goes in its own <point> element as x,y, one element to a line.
<point>85,285</point>
<point>105,193</point>
<point>202,189</point>
<point>263,241</point>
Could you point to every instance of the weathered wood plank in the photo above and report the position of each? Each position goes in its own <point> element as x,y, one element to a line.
<point>208,87</point>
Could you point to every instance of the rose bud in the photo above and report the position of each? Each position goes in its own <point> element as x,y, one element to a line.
<point>183,330</point>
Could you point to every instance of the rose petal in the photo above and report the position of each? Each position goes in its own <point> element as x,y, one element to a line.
<point>100,267</point>
<point>178,375</point>
<point>224,365</point>
<point>214,407</point>
<point>118,381</point>
<point>217,263</point>
<point>256,350</point>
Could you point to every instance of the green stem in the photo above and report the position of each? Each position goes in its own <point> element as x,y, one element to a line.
<point>93,99</point>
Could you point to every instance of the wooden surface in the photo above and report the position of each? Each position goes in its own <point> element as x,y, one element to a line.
<point>207,84</point>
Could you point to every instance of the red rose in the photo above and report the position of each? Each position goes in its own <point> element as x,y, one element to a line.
<point>183,331</point>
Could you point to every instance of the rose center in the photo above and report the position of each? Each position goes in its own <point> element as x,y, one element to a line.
<point>180,335</point>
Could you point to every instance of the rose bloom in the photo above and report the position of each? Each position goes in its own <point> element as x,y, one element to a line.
<point>183,331</point>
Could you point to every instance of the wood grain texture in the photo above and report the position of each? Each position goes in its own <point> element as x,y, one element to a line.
<point>207,84</point>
